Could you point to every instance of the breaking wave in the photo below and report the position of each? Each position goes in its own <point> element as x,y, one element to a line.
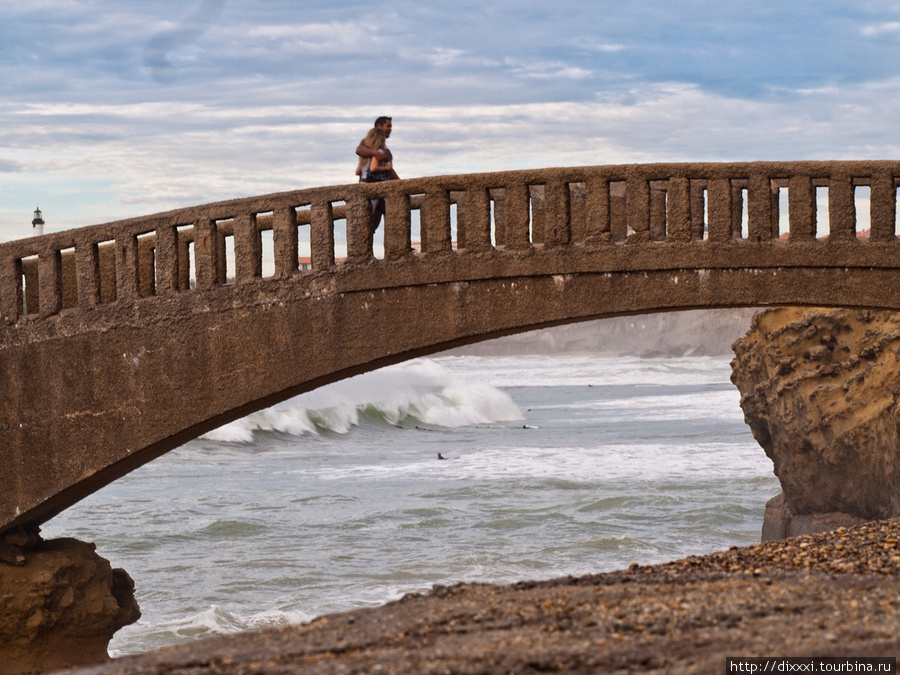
<point>411,393</point>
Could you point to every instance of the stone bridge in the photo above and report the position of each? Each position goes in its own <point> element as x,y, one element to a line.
<point>120,342</point>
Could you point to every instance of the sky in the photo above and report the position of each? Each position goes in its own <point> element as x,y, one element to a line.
<point>118,108</point>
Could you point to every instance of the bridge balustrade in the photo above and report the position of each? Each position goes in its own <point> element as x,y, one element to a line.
<point>515,212</point>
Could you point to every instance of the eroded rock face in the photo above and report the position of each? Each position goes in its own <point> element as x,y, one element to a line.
<point>819,390</point>
<point>60,603</point>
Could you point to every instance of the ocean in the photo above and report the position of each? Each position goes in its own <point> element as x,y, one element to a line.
<point>554,465</point>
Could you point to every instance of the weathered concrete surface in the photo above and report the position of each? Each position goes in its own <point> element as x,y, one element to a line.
<point>827,595</point>
<point>99,395</point>
<point>132,362</point>
<point>60,604</point>
<point>819,390</point>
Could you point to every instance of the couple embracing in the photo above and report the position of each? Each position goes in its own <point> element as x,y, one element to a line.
<point>376,163</point>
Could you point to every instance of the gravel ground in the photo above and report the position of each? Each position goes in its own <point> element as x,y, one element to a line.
<point>834,594</point>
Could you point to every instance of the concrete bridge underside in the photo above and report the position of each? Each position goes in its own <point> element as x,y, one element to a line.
<point>95,390</point>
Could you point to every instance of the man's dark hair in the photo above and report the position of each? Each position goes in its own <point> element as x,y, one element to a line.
<point>381,120</point>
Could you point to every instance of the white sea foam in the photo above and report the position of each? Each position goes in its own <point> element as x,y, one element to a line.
<point>419,391</point>
<point>610,465</point>
<point>723,404</point>
<point>584,369</point>
<point>211,622</point>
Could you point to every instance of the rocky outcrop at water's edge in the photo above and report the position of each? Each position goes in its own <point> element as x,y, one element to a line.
<point>819,390</point>
<point>60,603</point>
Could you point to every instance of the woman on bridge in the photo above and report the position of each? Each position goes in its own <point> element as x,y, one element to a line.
<point>374,170</point>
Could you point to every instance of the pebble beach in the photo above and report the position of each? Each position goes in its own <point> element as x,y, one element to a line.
<point>833,594</point>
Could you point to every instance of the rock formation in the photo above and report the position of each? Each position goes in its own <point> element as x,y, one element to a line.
<point>60,603</point>
<point>819,390</point>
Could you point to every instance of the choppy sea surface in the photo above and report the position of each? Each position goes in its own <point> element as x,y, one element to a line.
<point>336,499</point>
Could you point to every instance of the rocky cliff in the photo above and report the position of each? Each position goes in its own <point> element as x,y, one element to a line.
<point>819,390</point>
<point>60,603</point>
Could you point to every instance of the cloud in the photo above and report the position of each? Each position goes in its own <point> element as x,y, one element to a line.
<point>548,70</point>
<point>442,57</point>
<point>877,30</point>
<point>159,47</point>
<point>113,109</point>
<point>319,38</point>
<point>155,157</point>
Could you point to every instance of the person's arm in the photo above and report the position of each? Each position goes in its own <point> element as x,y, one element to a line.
<point>377,165</point>
<point>382,155</point>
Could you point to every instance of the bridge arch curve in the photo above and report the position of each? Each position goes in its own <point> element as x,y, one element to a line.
<point>112,357</point>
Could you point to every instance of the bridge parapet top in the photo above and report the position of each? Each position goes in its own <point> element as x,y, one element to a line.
<point>210,246</point>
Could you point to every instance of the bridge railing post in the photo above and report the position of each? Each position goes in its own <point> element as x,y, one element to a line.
<point>637,204</point>
<point>557,213</point>
<point>678,209</point>
<point>883,207</point>
<point>435,222</point>
<point>126,266</point>
<point>359,239</point>
<point>87,272</point>
<point>184,238</point>
<point>321,235</point>
<point>719,193</point>
<point>658,199</point>
<point>759,208</point>
<point>167,256</point>
<point>146,264</point>
<point>50,280</point>
<point>397,225</point>
<point>801,209</point>
<point>285,241</point>
<point>516,204</point>
<point>597,210</point>
<point>841,208</point>
<point>247,248</point>
<point>474,230</point>
<point>10,288</point>
<point>206,252</point>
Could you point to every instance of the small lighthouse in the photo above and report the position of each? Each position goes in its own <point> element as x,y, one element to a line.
<point>37,225</point>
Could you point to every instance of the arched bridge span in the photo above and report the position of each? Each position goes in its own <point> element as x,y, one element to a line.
<point>110,356</point>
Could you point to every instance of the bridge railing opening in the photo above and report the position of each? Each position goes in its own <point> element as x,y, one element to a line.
<point>288,235</point>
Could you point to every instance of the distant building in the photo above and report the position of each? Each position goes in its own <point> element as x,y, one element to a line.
<point>37,225</point>
<point>304,264</point>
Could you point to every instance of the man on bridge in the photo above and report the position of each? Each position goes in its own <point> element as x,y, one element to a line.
<point>385,125</point>
<point>380,156</point>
